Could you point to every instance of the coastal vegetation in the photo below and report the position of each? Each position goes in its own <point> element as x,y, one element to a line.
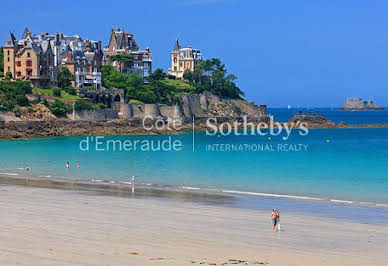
<point>64,77</point>
<point>210,75</point>
<point>55,92</point>
<point>13,94</point>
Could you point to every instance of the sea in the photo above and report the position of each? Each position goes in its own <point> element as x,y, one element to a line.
<point>341,173</point>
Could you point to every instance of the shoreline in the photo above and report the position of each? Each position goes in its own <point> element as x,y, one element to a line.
<point>58,225</point>
<point>25,130</point>
<point>325,207</point>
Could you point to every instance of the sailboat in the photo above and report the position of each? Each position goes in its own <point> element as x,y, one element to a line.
<point>289,107</point>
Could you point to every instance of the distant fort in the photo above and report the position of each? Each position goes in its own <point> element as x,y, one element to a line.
<point>358,104</point>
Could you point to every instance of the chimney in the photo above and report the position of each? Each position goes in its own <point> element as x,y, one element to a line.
<point>57,38</point>
<point>99,46</point>
<point>87,45</point>
<point>69,56</point>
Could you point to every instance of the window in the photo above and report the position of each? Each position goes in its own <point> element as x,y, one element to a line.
<point>9,69</point>
<point>175,69</point>
<point>28,72</point>
<point>28,55</point>
<point>8,59</point>
<point>18,74</point>
<point>18,63</point>
<point>29,63</point>
<point>7,52</point>
<point>175,60</point>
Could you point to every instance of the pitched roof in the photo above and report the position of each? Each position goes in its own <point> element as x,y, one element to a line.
<point>11,42</point>
<point>24,35</point>
<point>177,45</point>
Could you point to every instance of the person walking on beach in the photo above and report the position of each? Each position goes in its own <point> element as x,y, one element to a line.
<point>277,220</point>
<point>274,219</point>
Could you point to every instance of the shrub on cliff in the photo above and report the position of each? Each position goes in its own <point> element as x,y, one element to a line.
<point>101,106</point>
<point>22,100</point>
<point>70,90</point>
<point>82,105</point>
<point>57,92</point>
<point>211,75</point>
<point>59,108</point>
<point>12,94</point>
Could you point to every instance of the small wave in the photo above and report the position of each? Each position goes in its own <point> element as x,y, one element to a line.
<point>270,195</point>
<point>97,180</point>
<point>13,174</point>
<point>191,188</point>
<point>341,201</point>
<point>47,176</point>
<point>381,205</point>
<point>126,183</point>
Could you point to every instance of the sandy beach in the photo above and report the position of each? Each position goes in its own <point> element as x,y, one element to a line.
<point>41,226</point>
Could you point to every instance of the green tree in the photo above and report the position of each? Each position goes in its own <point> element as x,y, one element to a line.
<point>59,108</point>
<point>64,77</point>
<point>211,75</point>
<point>158,74</point>
<point>12,94</point>
<point>121,59</point>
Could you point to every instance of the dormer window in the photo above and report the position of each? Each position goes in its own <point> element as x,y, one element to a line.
<point>28,54</point>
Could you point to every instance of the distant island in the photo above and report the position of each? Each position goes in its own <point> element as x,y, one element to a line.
<point>358,104</point>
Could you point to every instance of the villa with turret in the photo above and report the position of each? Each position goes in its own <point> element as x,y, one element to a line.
<point>183,59</point>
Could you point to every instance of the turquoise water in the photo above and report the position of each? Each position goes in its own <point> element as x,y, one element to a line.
<point>342,164</point>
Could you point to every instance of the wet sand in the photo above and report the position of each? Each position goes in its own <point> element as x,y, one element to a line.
<point>41,226</point>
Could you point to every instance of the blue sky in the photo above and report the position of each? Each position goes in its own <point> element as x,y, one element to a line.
<point>306,53</point>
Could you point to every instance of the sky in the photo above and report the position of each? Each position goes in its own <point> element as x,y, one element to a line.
<point>298,53</point>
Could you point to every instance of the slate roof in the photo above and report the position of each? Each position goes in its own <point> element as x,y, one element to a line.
<point>11,41</point>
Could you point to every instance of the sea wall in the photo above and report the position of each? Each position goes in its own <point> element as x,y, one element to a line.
<point>199,105</point>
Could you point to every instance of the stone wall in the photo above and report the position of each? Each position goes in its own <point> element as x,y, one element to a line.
<point>194,104</point>
<point>95,115</point>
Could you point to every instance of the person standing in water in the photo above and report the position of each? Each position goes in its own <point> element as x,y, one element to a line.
<point>133,181</point>
<point>274,219</point>
<point>67,165</point>
<point>78,164</point>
